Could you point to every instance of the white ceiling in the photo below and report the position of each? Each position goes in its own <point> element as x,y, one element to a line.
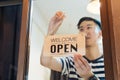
<point>43,10</point>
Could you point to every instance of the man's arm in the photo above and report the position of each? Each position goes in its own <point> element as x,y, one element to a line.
<point>83,68</point>
<point>50,61</point>
<point>55,23</point>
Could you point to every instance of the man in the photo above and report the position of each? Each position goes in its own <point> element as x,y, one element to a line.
<point>87,67</point>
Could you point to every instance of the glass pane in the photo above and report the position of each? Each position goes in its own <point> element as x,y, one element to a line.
<point>41,13</point>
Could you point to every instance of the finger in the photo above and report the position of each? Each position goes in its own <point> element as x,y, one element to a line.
<point>78,56</point>
<point>80,67</point>
<point>79,64</point>
<point>85,62</point>
<point>60,15</point>
<point>77,60</point>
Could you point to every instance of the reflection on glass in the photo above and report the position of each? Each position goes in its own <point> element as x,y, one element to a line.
<point>41,12</point>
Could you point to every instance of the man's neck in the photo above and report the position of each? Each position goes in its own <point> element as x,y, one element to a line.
<point>93,52</point>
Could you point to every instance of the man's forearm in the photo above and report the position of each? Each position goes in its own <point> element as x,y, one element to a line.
<point>45,59</point>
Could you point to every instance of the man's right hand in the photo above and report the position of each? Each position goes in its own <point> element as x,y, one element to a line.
<point>82,66</point>
<point>55,22</point>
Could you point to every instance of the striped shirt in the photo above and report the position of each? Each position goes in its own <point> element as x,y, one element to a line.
<point>68,68</point>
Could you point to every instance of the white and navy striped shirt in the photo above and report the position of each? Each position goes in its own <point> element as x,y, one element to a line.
<point>68,68</point>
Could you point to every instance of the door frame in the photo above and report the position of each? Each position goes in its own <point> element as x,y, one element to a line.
<point>24,41</point>
<point>110,14</point>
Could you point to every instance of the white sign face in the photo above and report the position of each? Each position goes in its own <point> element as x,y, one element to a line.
<point>60,44</point>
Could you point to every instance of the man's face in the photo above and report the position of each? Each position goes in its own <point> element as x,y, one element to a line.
<point>92,32</point>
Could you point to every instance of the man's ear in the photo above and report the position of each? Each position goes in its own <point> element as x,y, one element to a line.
<point>100,34</point>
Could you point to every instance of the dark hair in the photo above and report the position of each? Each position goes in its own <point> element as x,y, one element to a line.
<point>88,19</point>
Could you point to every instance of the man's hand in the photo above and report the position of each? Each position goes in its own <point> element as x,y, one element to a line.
<point>55,22</point>
<point>82,66</point>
